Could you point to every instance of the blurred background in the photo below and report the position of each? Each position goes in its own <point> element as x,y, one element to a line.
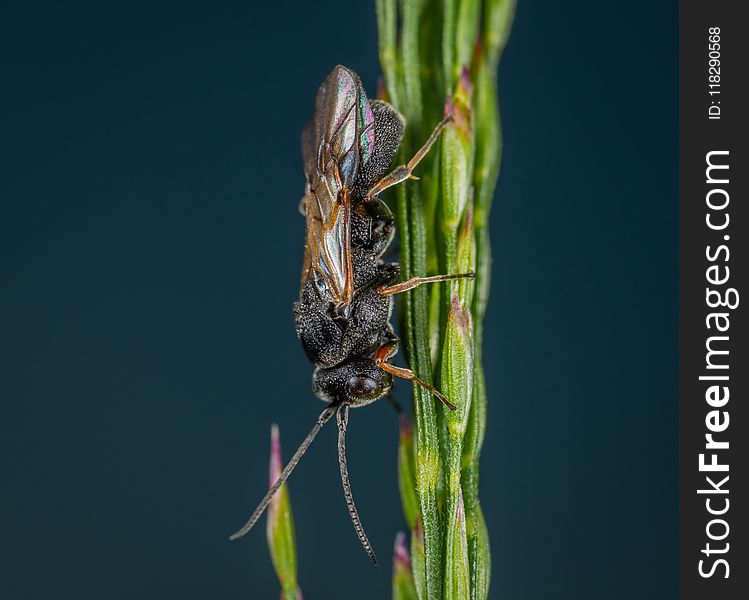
<point>150,248</point>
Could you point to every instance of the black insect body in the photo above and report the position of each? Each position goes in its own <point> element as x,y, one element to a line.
<point>345,301</point>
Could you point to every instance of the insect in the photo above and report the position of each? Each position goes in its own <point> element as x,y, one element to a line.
<point>345,300</point>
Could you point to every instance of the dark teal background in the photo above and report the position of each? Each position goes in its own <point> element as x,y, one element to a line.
<point>150,246</point>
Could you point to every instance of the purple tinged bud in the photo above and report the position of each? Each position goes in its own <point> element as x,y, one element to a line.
<point>401,558</point>
<point>276,465</point>
<point>478,49</point>
<point>461,103</point>
<point>280,524</point>
<point>419,531</point>
<point>449,108</point>
<point>465,81</point>
<point>460,316</point>
<point>382,93</point>
<point>468,227</point>
<point>405,427</point>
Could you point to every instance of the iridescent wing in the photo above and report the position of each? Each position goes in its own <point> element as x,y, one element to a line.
<point>335,144</point>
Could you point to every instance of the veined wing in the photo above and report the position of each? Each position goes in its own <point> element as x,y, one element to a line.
<point>335,144</point>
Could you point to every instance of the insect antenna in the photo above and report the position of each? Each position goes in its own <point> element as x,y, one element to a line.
<point>321,420</point>
<point>342,419</point>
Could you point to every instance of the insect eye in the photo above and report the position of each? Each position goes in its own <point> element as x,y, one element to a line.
<point>361,385</point>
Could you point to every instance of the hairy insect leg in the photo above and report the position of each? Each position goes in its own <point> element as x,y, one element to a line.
<point>321,420</point>
<point>342,419</point>
<point>388,351</point>
<point>409,284</point>
<point>403,172</point>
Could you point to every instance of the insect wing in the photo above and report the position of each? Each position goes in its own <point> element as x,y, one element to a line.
<point>338,141</point>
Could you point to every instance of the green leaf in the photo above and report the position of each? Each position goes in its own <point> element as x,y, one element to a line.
<point>406,476</point>
<point>481,566</point>
<point>457,149</point>
<point>498,17</point>
<point>386,24</point>
<point>467,28</point>
<point>457,582</point>
<point>457,368</point>
<point>457,382</point>
<point>448,41</point>
<point>488,141</point>
<point>418,561</point>
<point>412,106</point>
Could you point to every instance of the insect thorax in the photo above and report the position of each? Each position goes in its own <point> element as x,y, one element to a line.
<point>327,337</point>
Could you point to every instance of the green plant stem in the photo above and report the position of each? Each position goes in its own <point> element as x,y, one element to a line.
<point>442,55</point>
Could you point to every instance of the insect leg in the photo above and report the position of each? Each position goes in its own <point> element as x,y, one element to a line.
<point>403,172</point>
<point>409,284</point>
<point>342,419</point>
<point>321,420</point>
<point>387,351</point>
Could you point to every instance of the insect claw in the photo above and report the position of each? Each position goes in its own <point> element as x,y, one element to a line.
<point>444,400</point>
